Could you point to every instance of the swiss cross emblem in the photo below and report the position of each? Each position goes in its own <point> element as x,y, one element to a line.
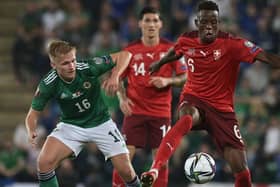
<point>138,56</point>
<point>191,52</point>
<point>217,54</point>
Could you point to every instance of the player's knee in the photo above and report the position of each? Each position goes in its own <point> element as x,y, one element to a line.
<point>193,112</point>
<point>236,158</point>
<point>240,167</point>
<point>45,163</point>
<point>185,110</point>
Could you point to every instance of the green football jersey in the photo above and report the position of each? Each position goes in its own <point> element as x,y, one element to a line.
<point>80,101</point>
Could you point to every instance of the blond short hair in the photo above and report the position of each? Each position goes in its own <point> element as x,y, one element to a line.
<point>58,48</point>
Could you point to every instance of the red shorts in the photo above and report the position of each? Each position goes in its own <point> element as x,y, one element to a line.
<point>145,131</point>
<point>223,127</point>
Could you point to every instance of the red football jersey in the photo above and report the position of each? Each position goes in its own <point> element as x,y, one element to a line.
<point>147,99</point>
<point>213,69</point>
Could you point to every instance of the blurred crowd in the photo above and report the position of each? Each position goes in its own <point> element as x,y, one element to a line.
<point>103,26</point>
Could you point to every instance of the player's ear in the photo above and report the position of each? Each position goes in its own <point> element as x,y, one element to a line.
<point>140,24</point>
<point>160,24</point>
<point>53,65</point>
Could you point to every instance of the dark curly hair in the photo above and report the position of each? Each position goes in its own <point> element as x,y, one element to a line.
<point>207,5</point>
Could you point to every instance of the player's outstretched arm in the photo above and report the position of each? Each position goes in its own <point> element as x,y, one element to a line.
<point>169,57</point>
<point>122,60</point>
<point>31,125</point>
<point>269,58</point>
<point>162,82</point>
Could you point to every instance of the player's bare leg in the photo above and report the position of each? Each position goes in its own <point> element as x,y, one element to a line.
<point>52,153</point>
<point>238,163</point>
<point>117,180</point>
<point>123,166</point>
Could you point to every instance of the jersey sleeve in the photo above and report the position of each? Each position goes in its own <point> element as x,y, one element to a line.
<point>180,46</point>
<point>42,95</point>
<point>100,65</point>
<point>180,66</point>
<point>246,50</point>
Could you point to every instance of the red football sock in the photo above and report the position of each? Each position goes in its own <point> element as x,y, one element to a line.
<point>162,179</point>
<point>117,180</point>
<point>243,179</point>
<point>171,141</point>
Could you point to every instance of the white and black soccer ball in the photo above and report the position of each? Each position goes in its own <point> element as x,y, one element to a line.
<point>200,168</point>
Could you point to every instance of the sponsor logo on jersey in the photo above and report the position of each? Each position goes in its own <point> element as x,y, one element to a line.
<point>203,53</point>
<point>217,54</point>
<point>150,55</point>
<point>170,146</point>
<point>63,95</point>
<point>86,85</point>
<point>76,94</point>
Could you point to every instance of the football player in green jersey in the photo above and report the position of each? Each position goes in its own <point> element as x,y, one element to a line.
<point>84,117</point>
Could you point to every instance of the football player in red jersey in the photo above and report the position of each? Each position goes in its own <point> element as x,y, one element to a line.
<point>146,101</point>
<point>206,102</point>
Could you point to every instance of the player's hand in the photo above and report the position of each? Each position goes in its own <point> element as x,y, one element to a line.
<point>154,67</point>
<point>125,106</point>
<point>159,82</point>
<point>32,135</point>
<point>111,85</point>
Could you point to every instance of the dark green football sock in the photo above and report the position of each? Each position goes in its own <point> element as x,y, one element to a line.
<point>134,183</point>
<point>48,179</point>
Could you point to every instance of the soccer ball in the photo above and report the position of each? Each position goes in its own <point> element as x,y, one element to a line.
<point>200,168</point>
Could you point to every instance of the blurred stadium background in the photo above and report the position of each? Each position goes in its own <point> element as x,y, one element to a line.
<point>98,27</point>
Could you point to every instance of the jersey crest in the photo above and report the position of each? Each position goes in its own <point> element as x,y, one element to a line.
<point>138,56</point>
<point>217,54</point>
<point>86,85</point>
<point>191,52</point>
